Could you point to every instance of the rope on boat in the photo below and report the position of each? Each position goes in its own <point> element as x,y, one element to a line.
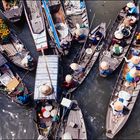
<point>47,66</point>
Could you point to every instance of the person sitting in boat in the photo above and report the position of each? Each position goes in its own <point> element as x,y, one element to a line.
<point>27,61</point>
<point>80,32</point>
<point>135,51</point>
<point>78,70</point>
<point>117,49</point>
<point>134,62</point>
<point>69,82</point>
<point>132,9</point>
<point>21,97</point>
<point>131,78</point>
<point>104,69</point>
<point>117,107</point>
<point>96,38</point>
<point>138,38</point>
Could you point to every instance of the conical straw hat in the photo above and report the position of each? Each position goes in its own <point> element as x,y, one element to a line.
<point>74,66</point>
<point>118,106</point>
<point>130,5</point>
<point>45,89</point>
<point>104,65</point>
<point>68,78</point>
<point>135,59</point>
<point>118,35</point>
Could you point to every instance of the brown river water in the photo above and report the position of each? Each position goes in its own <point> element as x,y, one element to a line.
<point>93,95</point>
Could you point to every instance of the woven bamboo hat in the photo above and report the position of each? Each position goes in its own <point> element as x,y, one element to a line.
<point>67,136</point>
<point>74,66</point>
<point>45,89</point>
<point>104,65</point>
<point>130,5</point>
<point>135,59</point>
<point>118,106</point>
<point>68,78</point>
<point>118,35</point>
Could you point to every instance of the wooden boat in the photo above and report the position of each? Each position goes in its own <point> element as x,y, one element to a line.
<point>57,25</point>
<point>35,19</point>
<point>47,117</point>
<point>87,59</point>
<point>73,124</point>
<point>11,84</point>
<point>107,55</point>
<point>113,127</point>
<point>76,13</point>
<point>12,9</point>
<point>13,48</point>
<point>46,74</point>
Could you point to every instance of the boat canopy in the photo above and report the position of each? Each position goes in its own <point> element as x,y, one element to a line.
<point>42,76</point>
<point>2,60</point>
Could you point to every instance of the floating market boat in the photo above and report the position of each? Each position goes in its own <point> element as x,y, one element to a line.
<point>72,125</point>
<point>11,84</point>
<point>57,25</point>
<point>77,18</point>
<point>128,94</point>
<point>35,19</point>
<point>118,40</point>
<point>12,9</point>
<point>14,49</point>
<point>47,118</point>
<point>46,95</point>
<point>88,55</point>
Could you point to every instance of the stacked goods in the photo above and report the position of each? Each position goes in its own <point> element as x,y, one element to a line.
<point>4,32</point>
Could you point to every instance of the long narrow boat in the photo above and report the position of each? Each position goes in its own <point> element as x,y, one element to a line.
<point>12,9</point>
<point>73,125</point>
<point>76,14</point>
<point>47,110</point>
<point>108,55</point>
<point>13,48</point>
<point>11,84</point>
<point>57,25</point>
<point>114,126</point>
<point>88,55</point>
<point>35,19</point>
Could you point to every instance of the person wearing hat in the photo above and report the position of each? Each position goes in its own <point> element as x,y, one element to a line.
<point>117,107</point>
<point>45,89</point>
<point>104,69</point>
<point>69,82</point>
<point>134,62</point>
<point>78,69</point>
<point>130,78</point>
<point>132,9</point>
<point>117,49</point>
<point>96,38</point>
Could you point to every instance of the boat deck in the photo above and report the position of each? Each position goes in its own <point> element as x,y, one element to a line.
<point>42,76</point>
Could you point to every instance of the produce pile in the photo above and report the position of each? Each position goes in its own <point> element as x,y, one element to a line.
<point>4,32</point>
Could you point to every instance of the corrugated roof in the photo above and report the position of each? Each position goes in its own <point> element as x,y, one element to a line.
<point>43,78</point>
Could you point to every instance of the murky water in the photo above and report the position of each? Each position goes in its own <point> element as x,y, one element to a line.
<point>93,95</point>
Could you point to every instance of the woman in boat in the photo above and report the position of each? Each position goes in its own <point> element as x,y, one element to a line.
<point>69,82</point>
<point>117,49</point>
<point>132,9</point>
<point>131,78</point>
<point>105,69</point>
<point>117,107</point>
<point>96,38</point>
<point>134,62</point>
<point>78,69</point>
